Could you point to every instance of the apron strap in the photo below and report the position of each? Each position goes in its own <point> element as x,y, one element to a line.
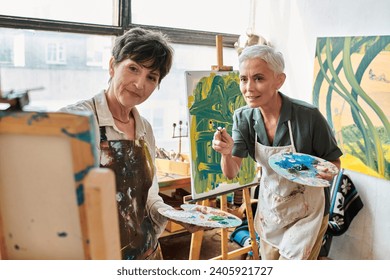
<point>102,129</point>
<point>291,136</point>
<point>103,136</point>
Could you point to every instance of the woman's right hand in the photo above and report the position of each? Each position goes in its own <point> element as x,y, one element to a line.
<point>222,142</point>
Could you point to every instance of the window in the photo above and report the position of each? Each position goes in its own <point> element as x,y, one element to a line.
<point>55,53</point>
<point>64,67</point>
<point>98,50</point>
<point>226,16</point>
<point>6,50</point>
<point>86,11</point>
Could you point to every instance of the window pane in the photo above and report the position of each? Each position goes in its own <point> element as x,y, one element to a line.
<point>69,67</point>
<point>86,11</point>
<point>225,16</point>
<point>72,67</point>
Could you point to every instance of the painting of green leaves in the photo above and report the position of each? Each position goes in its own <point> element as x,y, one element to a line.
<point>212,99</point>
<point>352,89</point>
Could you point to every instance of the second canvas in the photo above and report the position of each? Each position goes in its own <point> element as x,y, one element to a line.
<point>212,99</point>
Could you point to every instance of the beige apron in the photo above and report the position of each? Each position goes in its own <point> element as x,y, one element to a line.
<point>289,215</point>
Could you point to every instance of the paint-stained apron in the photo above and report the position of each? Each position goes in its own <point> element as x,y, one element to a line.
<point>288,215</point>
<point>133,167</point>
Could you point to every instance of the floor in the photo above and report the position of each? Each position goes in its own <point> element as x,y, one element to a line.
<point>177,246</point>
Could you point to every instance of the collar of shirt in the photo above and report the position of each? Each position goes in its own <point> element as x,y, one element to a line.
<point>282,127</point>
<point>105,117</point>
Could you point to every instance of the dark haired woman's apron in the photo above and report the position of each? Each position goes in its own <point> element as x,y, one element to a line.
<point>132,164</point>
<point>133,167</point>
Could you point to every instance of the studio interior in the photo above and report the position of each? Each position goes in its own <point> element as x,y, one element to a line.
<point>58,201</point>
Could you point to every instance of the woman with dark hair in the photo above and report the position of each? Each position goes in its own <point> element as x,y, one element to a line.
<point>140,60</point>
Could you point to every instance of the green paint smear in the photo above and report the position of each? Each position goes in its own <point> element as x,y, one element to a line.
<point>212,104</point>
<point>217,218</point>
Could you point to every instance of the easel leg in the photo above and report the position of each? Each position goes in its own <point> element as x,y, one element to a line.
<point>224,231</point>
<point>196,240</point>
<point>252,233</point>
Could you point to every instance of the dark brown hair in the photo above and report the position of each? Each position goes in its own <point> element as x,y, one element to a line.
<point>146,47</point>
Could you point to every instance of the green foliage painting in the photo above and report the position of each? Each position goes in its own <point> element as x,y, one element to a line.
<point>212,99</point>
<point>352,89</point>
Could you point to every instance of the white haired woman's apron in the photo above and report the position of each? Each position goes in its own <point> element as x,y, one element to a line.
<point>289,215</point>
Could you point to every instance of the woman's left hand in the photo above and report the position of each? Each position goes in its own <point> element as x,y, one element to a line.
<point>326,175</point>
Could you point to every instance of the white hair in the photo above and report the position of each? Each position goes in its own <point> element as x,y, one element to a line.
<point>273,58</point>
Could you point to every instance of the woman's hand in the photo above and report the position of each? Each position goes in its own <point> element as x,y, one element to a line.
<point>222,142</point>
<point>326,175</point>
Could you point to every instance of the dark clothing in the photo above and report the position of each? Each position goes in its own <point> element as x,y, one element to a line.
<point>311,132</point>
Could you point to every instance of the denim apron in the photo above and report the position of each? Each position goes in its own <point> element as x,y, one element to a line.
<point>133,167</point>
<point>288,215</point>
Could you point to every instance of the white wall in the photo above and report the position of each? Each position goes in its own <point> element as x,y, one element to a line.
<point>369,233</point>
<point>293,27</point>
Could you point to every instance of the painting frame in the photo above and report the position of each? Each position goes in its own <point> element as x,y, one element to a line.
<point>212,99</point>
<point>351,87</point>
<point>31,236</point>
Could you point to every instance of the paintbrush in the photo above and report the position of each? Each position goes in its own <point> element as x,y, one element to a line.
<point>218,128</point>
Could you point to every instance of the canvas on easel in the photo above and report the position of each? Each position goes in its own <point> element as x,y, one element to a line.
<point>55,203</point>
<point>212,98</point>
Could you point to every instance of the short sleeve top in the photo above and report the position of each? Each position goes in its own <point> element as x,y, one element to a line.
<point>311,132</point>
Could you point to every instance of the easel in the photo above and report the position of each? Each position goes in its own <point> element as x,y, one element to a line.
<point>220,66</point>
<point>197,237</point>
<point>65,209</point>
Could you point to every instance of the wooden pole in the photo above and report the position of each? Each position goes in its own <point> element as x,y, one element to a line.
<point>224,232</point>
<point>249,216</point>
<point>219,46</point>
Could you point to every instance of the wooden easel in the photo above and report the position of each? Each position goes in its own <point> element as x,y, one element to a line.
<point>197,237</point>
<point>220,66</point>
<point>54,203</point>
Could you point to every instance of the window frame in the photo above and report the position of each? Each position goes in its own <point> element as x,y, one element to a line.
<point>176,35</point>
<point>8,56</point>
<point>55,53</point>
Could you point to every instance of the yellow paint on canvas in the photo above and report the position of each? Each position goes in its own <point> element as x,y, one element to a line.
<point>350,162</point>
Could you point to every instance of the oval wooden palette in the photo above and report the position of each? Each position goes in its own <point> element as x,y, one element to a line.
<point>202,216</point>
<point>302,168</point>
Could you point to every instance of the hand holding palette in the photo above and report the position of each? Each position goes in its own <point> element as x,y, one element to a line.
<point>202,216</point>
<point>302,168</point>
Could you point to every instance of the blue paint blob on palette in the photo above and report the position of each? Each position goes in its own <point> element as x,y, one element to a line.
<point>302,168</point>
<point>203,216</point>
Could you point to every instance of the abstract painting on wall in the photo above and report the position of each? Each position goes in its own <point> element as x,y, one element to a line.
<point>212,99</point>
<point>352,89</point>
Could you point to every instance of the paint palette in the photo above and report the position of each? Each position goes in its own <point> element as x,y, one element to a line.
<point>202,216</point>
<point>302,168</point>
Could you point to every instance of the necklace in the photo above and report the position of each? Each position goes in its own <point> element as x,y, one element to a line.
<point>119,120</point>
